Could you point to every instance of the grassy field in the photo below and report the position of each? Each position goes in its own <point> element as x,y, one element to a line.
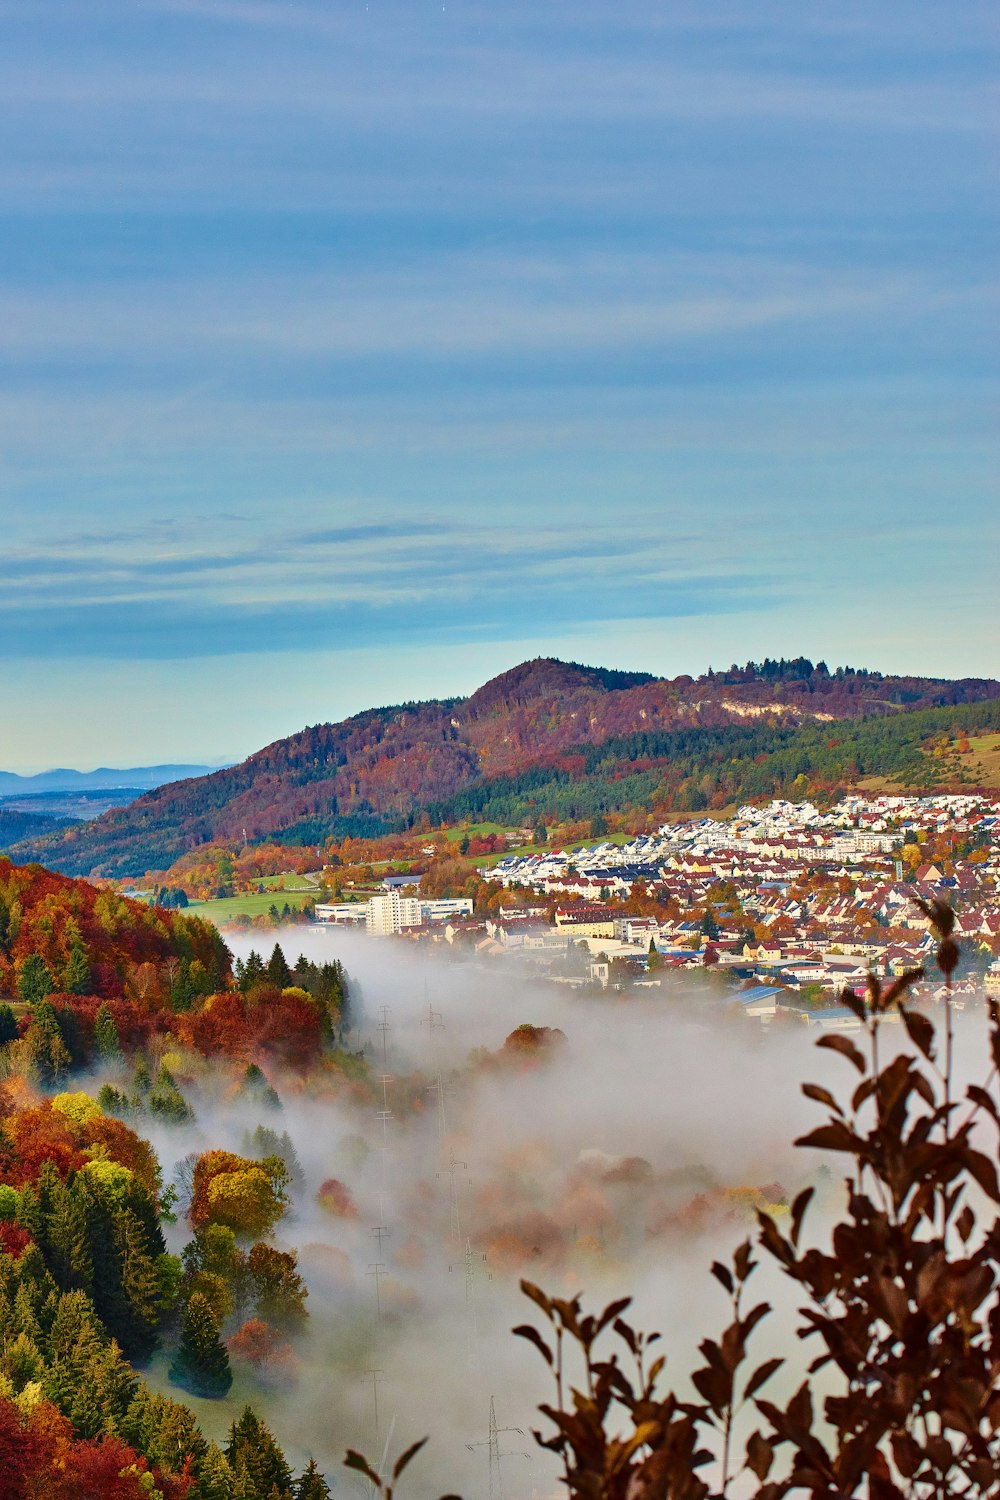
<point>249,905</point>
<point>983,765</point>
<point>979,768</point>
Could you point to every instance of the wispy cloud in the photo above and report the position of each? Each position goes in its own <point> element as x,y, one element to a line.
<point>292,589</point>
<point>489,321</point>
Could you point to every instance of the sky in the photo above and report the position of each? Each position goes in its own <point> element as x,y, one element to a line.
<point>351,353</point>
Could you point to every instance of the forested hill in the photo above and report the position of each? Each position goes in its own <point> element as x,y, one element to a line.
<point>384,768</point>
<point>67,937</point>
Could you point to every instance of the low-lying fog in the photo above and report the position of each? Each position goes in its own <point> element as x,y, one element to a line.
<point>612,1167</point>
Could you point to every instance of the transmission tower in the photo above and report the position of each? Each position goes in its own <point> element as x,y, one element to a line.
<point>385,1028</point>
<point>456,1217</point>
<point>377,1270</point>
<point>492,1446</point>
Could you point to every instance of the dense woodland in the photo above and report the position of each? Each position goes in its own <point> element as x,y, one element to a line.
<point>548,736</point>
<point>88,1290</point>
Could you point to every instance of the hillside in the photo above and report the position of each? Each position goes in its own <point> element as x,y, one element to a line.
<point>78,939</point>
<point>545,724</point>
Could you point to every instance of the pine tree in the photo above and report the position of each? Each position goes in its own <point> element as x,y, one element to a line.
<point>140,1287</point>
<point>201,1363</point>
<point>34,982</point>
<point>76,974</point>
<point>182,990</point>
<point>114,1385</point>
<point>67,1234</point>
<point>254,1086</point>
<point>8,1025</point>
<point>278,972</point>
<point>49,1056</point>
<point>24,1318</point>
<point>256,1460</point>
<point>22,1360</point>
<point>253,971</point>
<point>213,1477</point>
<point>107,1042</point>
<point>311,1485</point>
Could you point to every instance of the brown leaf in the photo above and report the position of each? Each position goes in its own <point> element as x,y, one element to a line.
<point>919,1030</point>
<point>846,1048</point>
<point>525,1331</point>
<point>833,1137</point>
<point>821,1096</point>
<point>407,1457</point>
<point>759,1378</point>
<point>799,1207</point>
<point>760,1455</point>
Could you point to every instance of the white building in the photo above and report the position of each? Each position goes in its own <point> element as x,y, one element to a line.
<point>391,912</point>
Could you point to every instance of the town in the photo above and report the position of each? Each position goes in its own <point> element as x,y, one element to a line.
<point>778,909</point>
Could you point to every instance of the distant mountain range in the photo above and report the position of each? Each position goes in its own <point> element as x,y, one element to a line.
<point>103,779</point>
<point>548,738</point>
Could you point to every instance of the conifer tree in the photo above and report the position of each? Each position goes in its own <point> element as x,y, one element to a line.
<point>24,1319</point>
<point>68,1239</point>
<point>107,1042</point>
<point>22,1360</point>
<point>76,974</point>
<point>182,990</point>
<point>256,1460</point>
<point>8,1025</point>
<point>201,1363</point>
<point>48,1054</point>
<point>278,972</point>
<point>311,1485</point>
<point>140,1286</point>
<point>213,1477</point>
<point>253,971</point>
<point>34,982</point>
<point>255,1086</point>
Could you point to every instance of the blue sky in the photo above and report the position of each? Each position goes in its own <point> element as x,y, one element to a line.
<point>353,352</point>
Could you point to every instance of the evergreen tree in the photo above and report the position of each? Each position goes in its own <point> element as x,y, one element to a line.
<point>164,1431</point>
<point>24,1318</point>
<point>22,1360</point>
<point>311,1485</point>
<point>182,991</point>
<point>68,1239</point>
<point>140,1286</point>
<point>34,982</point>
<point>278,972</point>
<point>48,1054</point>
<point>76,974</point>
<point>8,1025</point>
<point>256,1459</point>
<point>113,1101</point>
<point>213,1477</point>
<point>253,971</point>
<point>255,1087</point>
<point>201,1363</point>
<point>107,1042</point>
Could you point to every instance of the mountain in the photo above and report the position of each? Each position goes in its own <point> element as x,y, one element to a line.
<point>545,736</point>
<point>104,778</point>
